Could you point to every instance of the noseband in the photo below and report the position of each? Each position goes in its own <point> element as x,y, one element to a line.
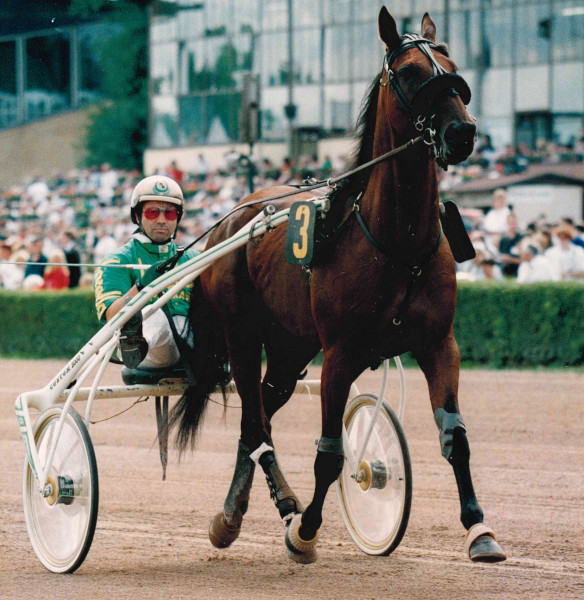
<point>441,83</point>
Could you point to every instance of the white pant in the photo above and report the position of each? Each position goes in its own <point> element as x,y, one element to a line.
<point>162,350</point>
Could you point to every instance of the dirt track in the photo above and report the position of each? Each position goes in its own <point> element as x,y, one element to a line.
<point>525,429</point>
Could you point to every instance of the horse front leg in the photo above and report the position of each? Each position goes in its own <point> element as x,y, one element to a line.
<point>302,533</point>
<point>441,366</point>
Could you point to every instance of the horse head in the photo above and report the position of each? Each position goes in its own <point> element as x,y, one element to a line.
<point>427,93</point>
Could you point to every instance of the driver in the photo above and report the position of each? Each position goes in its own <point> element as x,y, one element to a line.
<point>156,207</point>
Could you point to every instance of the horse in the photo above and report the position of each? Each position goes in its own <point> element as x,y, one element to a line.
<point>382,283</point>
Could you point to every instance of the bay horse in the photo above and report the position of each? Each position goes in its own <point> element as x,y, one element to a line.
<point>383,285</point>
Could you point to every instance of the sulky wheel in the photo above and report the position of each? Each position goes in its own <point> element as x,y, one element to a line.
<point>61,522</point>
<point>376,504</point>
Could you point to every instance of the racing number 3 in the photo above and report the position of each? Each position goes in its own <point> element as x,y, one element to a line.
<point>300,236</point>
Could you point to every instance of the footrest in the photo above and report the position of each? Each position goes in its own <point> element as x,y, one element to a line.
<point>151,376</point>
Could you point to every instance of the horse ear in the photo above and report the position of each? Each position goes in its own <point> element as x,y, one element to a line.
<point>428,28</point>
<point>388,29</point>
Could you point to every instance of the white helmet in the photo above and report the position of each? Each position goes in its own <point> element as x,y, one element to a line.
<point>156,187</point>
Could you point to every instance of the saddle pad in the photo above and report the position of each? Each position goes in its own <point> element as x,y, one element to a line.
<point>455,232</point>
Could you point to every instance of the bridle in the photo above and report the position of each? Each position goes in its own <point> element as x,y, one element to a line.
<point>420,108</point>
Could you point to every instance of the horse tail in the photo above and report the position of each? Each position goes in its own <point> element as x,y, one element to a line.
<point>207,369</point>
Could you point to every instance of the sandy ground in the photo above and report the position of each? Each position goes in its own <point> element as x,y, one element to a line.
<point>525,429</point>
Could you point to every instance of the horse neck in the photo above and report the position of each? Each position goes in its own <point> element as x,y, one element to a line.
<point>400,204</point>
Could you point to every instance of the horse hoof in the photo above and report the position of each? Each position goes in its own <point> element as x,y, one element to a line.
<point>481,546</point>
<point>220,534</point>
<point>299,550</point>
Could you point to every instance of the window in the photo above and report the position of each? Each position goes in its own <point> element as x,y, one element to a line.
<point>8,99</point>
<point>48,75</point>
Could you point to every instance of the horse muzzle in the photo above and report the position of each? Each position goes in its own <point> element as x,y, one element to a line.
<point>457,141</point>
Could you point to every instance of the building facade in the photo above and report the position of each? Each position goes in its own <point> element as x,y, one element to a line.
<point>49,61</point>
<point>523,59</point>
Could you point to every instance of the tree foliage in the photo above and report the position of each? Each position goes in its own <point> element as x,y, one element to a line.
<point>117,132</point>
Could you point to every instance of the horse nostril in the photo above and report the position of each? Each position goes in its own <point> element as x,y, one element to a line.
<point>460,133</point>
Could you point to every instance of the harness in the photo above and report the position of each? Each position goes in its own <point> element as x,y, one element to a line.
<point>420,108</point>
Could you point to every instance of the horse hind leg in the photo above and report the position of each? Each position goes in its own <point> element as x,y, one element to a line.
<point>225,527</point>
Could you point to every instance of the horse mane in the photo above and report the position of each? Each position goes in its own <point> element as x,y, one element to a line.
<point>363,153</point>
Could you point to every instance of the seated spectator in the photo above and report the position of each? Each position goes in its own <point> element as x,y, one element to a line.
<point>11,275</point>
<point>174,172</point>
<point>36,258</point>
<point>495,221</point>
<point>577,238</point>
<point>567,258</point>
<point>534,265</point>
<point>508,251</point>
<point>33,282</point>
<point>73,256</point>
<point>482,268</point>
<point>56,276</point>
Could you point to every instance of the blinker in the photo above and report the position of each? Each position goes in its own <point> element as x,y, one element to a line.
<point>433,89</point>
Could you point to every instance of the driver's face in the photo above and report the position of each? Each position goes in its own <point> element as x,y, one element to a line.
<point>159,229</point>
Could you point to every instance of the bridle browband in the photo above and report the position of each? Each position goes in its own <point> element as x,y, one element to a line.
<point>419,108</point>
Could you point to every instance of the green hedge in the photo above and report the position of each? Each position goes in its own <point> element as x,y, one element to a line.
<point>496,324</point>
<point>508,324</point>
<point>46,324</point>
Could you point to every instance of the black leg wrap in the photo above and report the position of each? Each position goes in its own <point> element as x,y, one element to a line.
<point>284,498</point>
<point>327,467</point>
<point>237,499</point>
<point>470,511</point>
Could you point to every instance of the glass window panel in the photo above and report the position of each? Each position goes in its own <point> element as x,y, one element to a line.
<point>223,118</point>
<point>193,125</point>
<point>215,13</point>
<point>48,75</point>
<point>498,38</point>
<point>191,22</point>
<point>567,130</point>
<point>246,15</point>
<point>499,129</point>
<point>274,123</point>
<point>8,101</point>
<point>275,14</point>
<point>459,38</point>
<point>367,56</point>
<point>531,88</point>
<point>163,68</point>
<point>307,99</point>
<point>222,62</point>
<point>163,28</point>
<point>198,72</point>
<point>91,39</point>
<point>307,56</point>
<point>568,87</point>
<point>338,45</point>
<point>338,110</point>
<point>496,97</point>
<point>531,48</point>
<point>274,66</point>
<point>337,11</point>
<point>568,30</point>
<point>164,121</point>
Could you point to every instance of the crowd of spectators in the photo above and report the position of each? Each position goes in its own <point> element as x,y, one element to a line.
<point>539,251</point>
<point>51,225</point>
<point>489,162</point>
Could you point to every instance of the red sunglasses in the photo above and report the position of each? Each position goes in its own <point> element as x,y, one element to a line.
<point>153,212</point>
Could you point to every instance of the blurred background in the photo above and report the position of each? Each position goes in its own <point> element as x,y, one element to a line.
<point>227,96</point>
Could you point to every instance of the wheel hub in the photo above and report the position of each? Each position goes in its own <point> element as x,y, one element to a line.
<point>60,490</point>
<point>372,475</point>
